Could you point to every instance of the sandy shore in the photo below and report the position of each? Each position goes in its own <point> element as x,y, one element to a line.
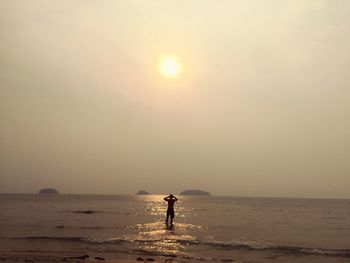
<point>109,257</point>
<point>81,257</point>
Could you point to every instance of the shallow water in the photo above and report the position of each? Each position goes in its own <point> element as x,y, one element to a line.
<point>207,228</point>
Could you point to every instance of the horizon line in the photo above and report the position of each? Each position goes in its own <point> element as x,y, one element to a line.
<point>211,195</point>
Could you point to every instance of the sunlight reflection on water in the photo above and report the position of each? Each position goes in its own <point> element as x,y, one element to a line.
<point>155,209</point>
<point>156,237</point>
<point>156,206</point>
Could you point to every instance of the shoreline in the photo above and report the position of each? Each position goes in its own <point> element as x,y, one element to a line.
<point>85,256</point>
<point>15,256</point>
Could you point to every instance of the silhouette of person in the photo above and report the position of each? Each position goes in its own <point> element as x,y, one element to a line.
<point>170,211</point>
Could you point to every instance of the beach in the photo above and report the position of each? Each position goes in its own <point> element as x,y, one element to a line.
<point>49,257</point>
<point>175,131</point>
<point>129,228</point>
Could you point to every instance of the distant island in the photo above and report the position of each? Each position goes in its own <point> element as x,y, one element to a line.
<point>142,192</point>
<point>48,191</point>
<point>195,192</point>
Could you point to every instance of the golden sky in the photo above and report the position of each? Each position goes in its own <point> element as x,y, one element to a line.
<point>261,107</point>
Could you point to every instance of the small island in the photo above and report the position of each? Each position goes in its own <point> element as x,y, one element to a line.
<point>48,191</point>
<point>142,192</point>
<point>195,192</point>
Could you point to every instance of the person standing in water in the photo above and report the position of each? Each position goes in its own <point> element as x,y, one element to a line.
<point>170,211</point>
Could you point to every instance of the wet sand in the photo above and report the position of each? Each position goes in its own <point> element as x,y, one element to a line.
<point>61,257</point>
<point>109,257</point>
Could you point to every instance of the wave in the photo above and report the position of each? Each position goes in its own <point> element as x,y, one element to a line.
<point>292,250</point>
<point>88,227</point>
<point>88,212</point>
<point>279,248</point>
<point>71,239</point>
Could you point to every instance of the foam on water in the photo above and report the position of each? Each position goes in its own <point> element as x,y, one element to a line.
<point>189,241</point>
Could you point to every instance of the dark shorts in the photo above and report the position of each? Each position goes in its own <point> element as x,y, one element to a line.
<point>170,212</point>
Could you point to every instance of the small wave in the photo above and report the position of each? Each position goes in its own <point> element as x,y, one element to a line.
<point>88,212</point>
<point>239,245</point>
<point>89,227</point>
<point>285,249</point>
<point>75,239</point>
<point>213,244</point>
<point>106,241</point>
<point>101,227</point>
<point>160,225</point>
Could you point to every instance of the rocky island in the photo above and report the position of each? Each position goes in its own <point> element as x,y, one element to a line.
<point>195,192</point>
<point>142,192</point>
<point>48,191</point>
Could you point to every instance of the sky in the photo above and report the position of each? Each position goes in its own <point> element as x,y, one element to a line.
<point>261,107</point>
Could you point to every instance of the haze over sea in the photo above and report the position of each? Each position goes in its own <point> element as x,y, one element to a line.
<point>213,229</point>
<point>235,97</point>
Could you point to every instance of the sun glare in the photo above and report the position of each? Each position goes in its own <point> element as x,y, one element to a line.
<point>170,66</point>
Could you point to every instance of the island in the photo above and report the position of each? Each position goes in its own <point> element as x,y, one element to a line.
<point>48,191</point>
<point>142,192</point>
<point>195,192</point>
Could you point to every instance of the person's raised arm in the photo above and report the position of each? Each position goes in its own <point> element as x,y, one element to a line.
<point>175,198</point>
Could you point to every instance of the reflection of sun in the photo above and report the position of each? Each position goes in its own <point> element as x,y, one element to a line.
<point>170,66</point>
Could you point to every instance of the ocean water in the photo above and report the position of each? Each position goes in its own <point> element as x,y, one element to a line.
<point>213,229</point>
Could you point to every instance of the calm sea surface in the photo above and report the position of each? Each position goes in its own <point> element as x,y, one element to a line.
<point>207,228</point>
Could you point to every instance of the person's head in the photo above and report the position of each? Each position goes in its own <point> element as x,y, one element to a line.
<point>171,195</point>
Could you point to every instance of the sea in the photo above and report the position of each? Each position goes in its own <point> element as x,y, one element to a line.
<point>209,229</point>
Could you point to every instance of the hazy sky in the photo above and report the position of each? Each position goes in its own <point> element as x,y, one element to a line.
<point>262,107</point>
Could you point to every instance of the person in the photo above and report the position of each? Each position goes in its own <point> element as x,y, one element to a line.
<point>170,211</point>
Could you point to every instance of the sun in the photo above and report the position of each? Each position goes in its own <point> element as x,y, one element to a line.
<point>170,66</point>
